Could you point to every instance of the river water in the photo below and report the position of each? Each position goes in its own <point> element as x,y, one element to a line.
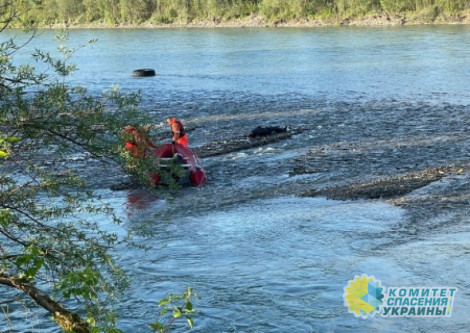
<point>261,258</point>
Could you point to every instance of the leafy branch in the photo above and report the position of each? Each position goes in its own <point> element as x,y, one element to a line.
<point>177,306</point>
<point>52,247</point>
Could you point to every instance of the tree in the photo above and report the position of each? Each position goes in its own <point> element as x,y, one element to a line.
<point>70,10</point>
<point>92,11</point>
<point>136,11</point>
<point>110,10</point>
<point>51,250</point>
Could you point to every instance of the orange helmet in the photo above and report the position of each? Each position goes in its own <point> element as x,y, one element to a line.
<point>171,120</point>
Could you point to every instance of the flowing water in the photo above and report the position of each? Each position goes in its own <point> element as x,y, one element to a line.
<point>261,258</point>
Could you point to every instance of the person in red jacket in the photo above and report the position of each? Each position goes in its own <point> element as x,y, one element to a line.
<point>177,129</point>
<point>137,141</point>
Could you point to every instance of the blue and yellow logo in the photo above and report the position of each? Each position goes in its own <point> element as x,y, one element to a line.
<point>363,296</point>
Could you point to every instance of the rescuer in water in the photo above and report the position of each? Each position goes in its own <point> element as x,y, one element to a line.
<point>178,132</point>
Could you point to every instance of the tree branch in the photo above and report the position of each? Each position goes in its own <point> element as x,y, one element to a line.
<point>69,321</point>
<point>64,137</point>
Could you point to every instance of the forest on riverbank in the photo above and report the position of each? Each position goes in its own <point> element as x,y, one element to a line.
<point>243,12</point>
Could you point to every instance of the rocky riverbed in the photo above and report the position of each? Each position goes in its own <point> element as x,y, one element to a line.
<point>413,156</point>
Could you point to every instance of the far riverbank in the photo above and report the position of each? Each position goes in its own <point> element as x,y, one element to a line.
<point>260,22</point>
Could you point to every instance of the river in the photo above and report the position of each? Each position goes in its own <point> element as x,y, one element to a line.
<point>262,258</point>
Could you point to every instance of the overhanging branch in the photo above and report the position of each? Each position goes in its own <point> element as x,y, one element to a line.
<point>69,321</point>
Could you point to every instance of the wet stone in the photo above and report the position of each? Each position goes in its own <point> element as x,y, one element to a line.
<point>387,187</point>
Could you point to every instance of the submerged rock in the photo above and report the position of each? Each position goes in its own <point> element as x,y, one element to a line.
<point>388,187</point>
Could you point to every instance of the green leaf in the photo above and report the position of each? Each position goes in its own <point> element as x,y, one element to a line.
<point>190,322</point>
<point>189,306</point>
<point>3,154</point>
<point>91,321</point>
<point>12,139</point>
<point>177,312</point>
<point>163,302</point>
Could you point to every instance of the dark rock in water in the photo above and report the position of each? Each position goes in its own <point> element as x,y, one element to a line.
<point>243,142</point>
<point>268,130</point>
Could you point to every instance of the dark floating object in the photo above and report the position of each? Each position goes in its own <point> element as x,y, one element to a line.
<point>264,131</point>
<point>145,72</point>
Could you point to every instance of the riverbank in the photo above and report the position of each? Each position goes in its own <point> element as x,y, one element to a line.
<point>256,21</point>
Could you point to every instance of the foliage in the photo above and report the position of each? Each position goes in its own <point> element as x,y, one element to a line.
<point>52,249</point>
<point>46,235</point>
<point>184,11</point>
<point>397,6</point>
<point>177,306</point>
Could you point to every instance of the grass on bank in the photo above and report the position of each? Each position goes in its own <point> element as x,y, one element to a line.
<point>254,12</point>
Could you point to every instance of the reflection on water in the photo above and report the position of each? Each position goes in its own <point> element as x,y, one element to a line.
<point>140,199</point>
